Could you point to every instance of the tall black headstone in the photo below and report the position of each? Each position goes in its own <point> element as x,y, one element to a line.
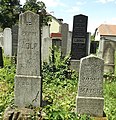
<point>94,46</point>
<point>79,37</point>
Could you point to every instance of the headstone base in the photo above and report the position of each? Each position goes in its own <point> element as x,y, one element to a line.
<point>92,106</point>
<point>75,65</point>
<point>27,90</point>
<point>109,68</point>
<point>21,114</point>
<point>100,118</point>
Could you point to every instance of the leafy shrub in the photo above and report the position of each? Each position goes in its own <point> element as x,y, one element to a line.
<point>59,91</point>
<point>6,85</point>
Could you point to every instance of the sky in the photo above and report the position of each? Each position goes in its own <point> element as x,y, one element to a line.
<point>98,11</point>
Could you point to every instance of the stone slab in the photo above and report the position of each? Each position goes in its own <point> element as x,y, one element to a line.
<point>90,105</point>
<point>75,65</point>
<point>90,86</point>
<point>7,42</point>
<point>91,77</point>
<point>28,58</point>
<point>27,90</point>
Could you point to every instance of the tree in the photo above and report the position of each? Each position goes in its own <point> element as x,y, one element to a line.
<point>37,7</point>
<point>9,12</point>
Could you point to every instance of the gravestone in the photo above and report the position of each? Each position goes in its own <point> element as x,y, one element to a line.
<point>80,43</point>
<point>94,46</point>
<point>14,40</point>
<point>88,43</point>
<point>1,39</point>
<point>28,74</point>
<point>64,31</point>
<point>109,56</point>
<point>90,87</point>
<point>79,37</point>
<point>46,44</point>
<point>1,58</point>
<point>7,42</point>
<point>69,42</point>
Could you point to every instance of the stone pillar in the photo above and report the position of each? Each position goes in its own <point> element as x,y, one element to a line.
<point>28,74</point>
<point>64,31</point>
<point>14,39</point>
<point>7,42</point>
<point>109,56</point>
<point>101,48</point>
<point>46,44</point>
<point>88,43</point>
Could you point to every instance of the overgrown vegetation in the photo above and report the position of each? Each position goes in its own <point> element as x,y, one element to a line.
<point>59,91</point>
<point>6,85</point>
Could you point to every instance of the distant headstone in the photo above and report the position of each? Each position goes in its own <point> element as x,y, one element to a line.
<point>64,31</point>
<point>90,88</point>
<point>79,37</point>
<point>94,46</point>
<point>28,74</point>
<point>69,42</point>
<point>14,40</point>
<point>7,42</point>
<point>1,39</point>
<point>46,44</point>
<point>88,44</point>
<point>1,58</point>
<point>109,49</point>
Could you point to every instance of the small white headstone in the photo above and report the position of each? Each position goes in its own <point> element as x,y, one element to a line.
<point>7,42</point>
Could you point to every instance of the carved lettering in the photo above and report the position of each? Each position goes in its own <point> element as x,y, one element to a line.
<point>25,83</point>
<point>31,45</point>
<point>90,90</point>
<point>91,79</point>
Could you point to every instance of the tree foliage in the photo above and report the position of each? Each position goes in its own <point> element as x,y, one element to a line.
<point>9,12</point>
<point>39,8</point>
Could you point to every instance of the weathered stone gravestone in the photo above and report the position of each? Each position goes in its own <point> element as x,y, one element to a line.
<point>14,39</point>
<point>90,87</point>
<point>106,51</point>
<point>7,42</point>
<point>1,39</point>
<point>46,44</point>
<point>64,31</point>
<point>28,78</point>
<point>109,49</point>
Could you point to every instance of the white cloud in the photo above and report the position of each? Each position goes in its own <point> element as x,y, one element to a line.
<point>111,21</point>
<point>48,3</point>
<point>105,1</point>
<point>22,1</point>
<point>53,3</point>
<point>79,3</point>
<point>73,10</point>
<point>77,8</point>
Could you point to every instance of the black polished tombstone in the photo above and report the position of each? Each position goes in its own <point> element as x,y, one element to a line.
<point>1,58</point>
<point>93,47</point>
<point>79,37</point>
